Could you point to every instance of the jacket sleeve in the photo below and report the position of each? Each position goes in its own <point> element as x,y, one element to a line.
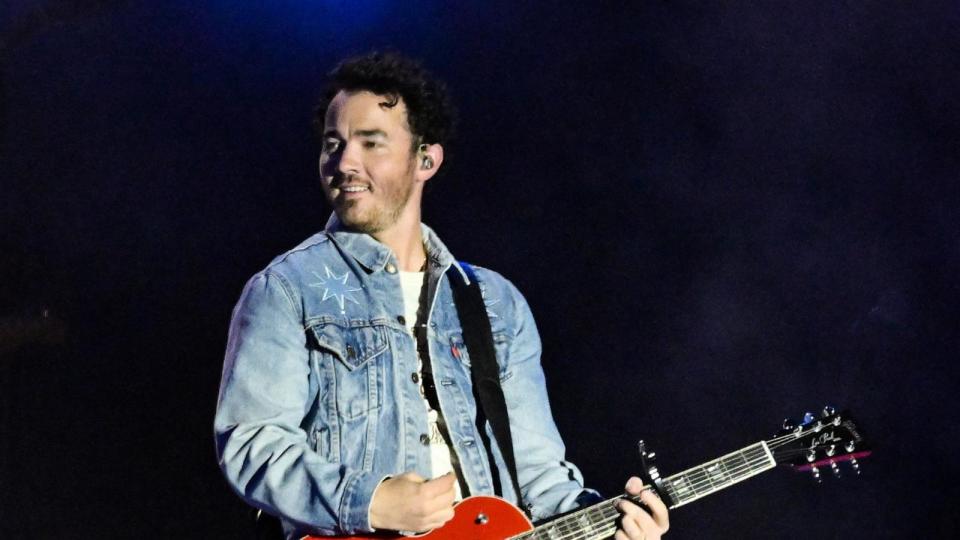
<point>550,484</point>
<point>261,448</point>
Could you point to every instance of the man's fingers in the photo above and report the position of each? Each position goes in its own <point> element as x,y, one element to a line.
<point>440,517</point>
<point>628,523</point>
<point>636,521</point>
<point>439,486</point>
<point>658,510</point>
<point>634,485</point>
<point>434,515</point>
<point>412,477</point>
<point>408,502</point>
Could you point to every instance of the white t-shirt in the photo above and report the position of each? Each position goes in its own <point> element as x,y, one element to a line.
<point>412,284</point>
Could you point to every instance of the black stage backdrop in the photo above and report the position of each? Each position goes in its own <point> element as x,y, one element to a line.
<point>721,214</point>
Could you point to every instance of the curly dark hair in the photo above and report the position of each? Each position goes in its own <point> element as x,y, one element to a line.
<point>430,114</point>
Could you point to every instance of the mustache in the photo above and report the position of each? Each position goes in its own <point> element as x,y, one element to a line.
<point>339,179</point>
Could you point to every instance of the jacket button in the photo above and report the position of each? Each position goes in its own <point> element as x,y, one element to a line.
<point>415,377</point>
<point>402,320</point>
<point>425,439</point>
<point>390,268</point>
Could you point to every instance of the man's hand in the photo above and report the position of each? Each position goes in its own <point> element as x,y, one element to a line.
<point>410,503</point>
<point>637,523</point>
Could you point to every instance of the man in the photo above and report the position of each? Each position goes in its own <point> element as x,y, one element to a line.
<point>324,416</point>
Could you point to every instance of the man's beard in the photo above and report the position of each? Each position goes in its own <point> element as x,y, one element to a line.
<point>381,214</point>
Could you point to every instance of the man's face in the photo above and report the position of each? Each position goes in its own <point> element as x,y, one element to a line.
<point>367,164</point>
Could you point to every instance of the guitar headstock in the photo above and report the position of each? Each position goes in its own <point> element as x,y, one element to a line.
<point>816,442</point>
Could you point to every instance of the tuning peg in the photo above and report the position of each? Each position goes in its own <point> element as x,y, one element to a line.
<point>811,455</point>
<point>816,474</point>
<point>788,424</point>
<point>835,468</point>
<point>827,411</point>
<point>808,417</point>
<point>831,450</point>
<point>855,465</point>
<point>850,446</point>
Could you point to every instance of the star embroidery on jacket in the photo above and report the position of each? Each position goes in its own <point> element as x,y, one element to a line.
<point>335,287</point>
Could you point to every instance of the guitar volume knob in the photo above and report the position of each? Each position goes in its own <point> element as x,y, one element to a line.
<point>482,519</point>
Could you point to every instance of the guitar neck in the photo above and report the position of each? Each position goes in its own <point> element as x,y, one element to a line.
<point>711,477</point>
<point>599,521</point>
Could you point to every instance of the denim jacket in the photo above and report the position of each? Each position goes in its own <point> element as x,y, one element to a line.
<point>318,402</point>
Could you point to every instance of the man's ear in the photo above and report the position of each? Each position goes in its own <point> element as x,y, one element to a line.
<point>429,158</point>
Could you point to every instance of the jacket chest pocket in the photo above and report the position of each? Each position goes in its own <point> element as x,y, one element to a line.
<point>501,346</point>
<point>357,356</point>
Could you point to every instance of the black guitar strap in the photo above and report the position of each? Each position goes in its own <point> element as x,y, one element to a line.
<point>484,370</point>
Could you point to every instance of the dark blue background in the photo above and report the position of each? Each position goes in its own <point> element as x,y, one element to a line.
<point>721,215</point>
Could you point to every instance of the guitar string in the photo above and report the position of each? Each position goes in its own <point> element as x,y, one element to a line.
<point>573,524</point>
<point>551,532</point>
<point>552,527</point>
<point>701,482</point>
<point>603,511</point>
<point>788,437</point>
<point>695,477</point>
<point>606,513</point>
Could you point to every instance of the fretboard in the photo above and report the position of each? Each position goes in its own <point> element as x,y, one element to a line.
<point>599,521</point>
<point>715,475</point>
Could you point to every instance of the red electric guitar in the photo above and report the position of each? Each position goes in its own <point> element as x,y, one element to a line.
<point>817,443</point>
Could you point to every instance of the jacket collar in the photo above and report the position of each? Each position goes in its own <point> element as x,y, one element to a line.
<point>373,255</point>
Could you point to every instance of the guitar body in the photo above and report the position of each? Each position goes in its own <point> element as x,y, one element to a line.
<point>474,518</point>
